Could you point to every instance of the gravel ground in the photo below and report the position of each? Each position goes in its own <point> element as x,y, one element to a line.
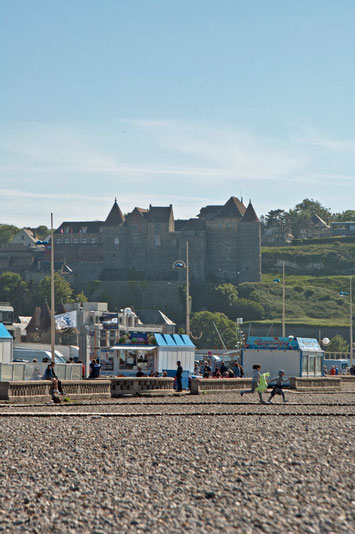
<point>201,474</point>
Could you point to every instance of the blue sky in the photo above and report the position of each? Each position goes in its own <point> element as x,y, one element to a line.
<point>174,101</point>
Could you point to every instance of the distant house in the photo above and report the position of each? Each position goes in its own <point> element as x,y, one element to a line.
<point>24,237</point>
<point>342,228</point>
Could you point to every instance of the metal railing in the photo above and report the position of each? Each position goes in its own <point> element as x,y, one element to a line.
<point>336,355</point>
<point>34,371</point>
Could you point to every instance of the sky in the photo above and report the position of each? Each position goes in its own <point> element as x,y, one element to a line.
<point>183,102</point>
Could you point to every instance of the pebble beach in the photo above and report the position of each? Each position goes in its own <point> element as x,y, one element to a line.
<point>221,464</point>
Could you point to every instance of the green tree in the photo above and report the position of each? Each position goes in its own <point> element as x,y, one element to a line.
<point>81,297</point>
<point>7,232</point>
<point>41,232</point>
<point>337,344</point>
<point>279,220</point>
<point>224,298</point>
<point>203,323</point>
<point>14,289</point>
<point>63,292</point>
<point>344,216</point>
<point>313,207</point>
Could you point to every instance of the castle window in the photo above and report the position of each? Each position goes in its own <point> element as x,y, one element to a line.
<point>157,240</point>
<point>116,241</point>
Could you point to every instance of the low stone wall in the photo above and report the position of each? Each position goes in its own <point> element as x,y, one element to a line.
<point>40,390</point>
<point>309,383</point>
<point>214,385</point>
<point>347,382</point>
<point>141,385</point>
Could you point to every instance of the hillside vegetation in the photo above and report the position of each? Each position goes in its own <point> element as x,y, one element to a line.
<point>314,259</point>
<point>309,299</point>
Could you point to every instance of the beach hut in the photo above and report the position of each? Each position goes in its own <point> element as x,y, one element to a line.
<point>297,356</point>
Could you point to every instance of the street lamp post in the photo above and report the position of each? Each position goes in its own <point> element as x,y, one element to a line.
<point>187,291</point>
<point>180,264</point>
<point>52,294</point>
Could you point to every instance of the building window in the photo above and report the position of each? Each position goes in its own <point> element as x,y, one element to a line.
<point>157,240</point>
<point>83,230</point>
<point>58,241</point>
<point>135,241</point>
<point>157,226</point>
<point>75,240</point>
<point>116,241</point>
<point>93,240</point>
<point>66,229</point>
<point>84,240</point>
<point>66,241</point>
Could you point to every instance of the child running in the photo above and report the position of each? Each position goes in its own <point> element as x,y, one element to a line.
<point>277,389</point>
<point>254,383</point>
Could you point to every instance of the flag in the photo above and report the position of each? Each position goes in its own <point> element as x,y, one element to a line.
<point>66,320</point>
<point>277,280</point>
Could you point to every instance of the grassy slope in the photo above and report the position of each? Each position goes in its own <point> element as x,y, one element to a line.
<point>310,300</point>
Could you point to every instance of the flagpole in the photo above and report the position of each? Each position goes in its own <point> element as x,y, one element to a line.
<point>52,295</point>
<point>283,300</point>
<point>351,321</point>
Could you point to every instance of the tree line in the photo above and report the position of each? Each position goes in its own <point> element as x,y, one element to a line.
<point>25,296</point>
<point>298,221</point>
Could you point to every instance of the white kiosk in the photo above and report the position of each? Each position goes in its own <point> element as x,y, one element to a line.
<point>149,351</point>
<point>297,356</point>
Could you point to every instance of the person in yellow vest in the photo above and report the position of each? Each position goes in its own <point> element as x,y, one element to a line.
<point>255,383</point>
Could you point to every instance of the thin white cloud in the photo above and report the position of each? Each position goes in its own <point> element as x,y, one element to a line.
<point>80,170</point>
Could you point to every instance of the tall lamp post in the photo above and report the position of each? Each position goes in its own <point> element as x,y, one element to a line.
<point>52,294</point>
<point>180,264</point>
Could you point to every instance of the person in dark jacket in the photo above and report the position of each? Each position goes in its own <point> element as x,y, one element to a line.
<point>49,374</point>
<point>95,369</point>
<point>178,377</point>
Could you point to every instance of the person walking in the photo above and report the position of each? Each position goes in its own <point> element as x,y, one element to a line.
<point>254,383</point>
<point>277,389</point>
<point>179,377</point>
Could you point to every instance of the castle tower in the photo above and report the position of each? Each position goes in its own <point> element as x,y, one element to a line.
<point>249,247</point>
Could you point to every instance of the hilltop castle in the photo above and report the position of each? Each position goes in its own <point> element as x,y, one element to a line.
<point>224,244</point>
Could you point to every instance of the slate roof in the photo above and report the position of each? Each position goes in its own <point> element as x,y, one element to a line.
<point>115,217</point>
<point>250,215</point>
<point>159,214</point>
<point>209,211</point>
<point>232,208</point>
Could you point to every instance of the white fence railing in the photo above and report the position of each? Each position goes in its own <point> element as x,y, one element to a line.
<point>336,355</point>
<point>34,371</point>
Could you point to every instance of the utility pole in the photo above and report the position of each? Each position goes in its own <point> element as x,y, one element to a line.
<point>351,321</point>
<point>52,295</point>
<point>187,291</point>
<point>283,300</point>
